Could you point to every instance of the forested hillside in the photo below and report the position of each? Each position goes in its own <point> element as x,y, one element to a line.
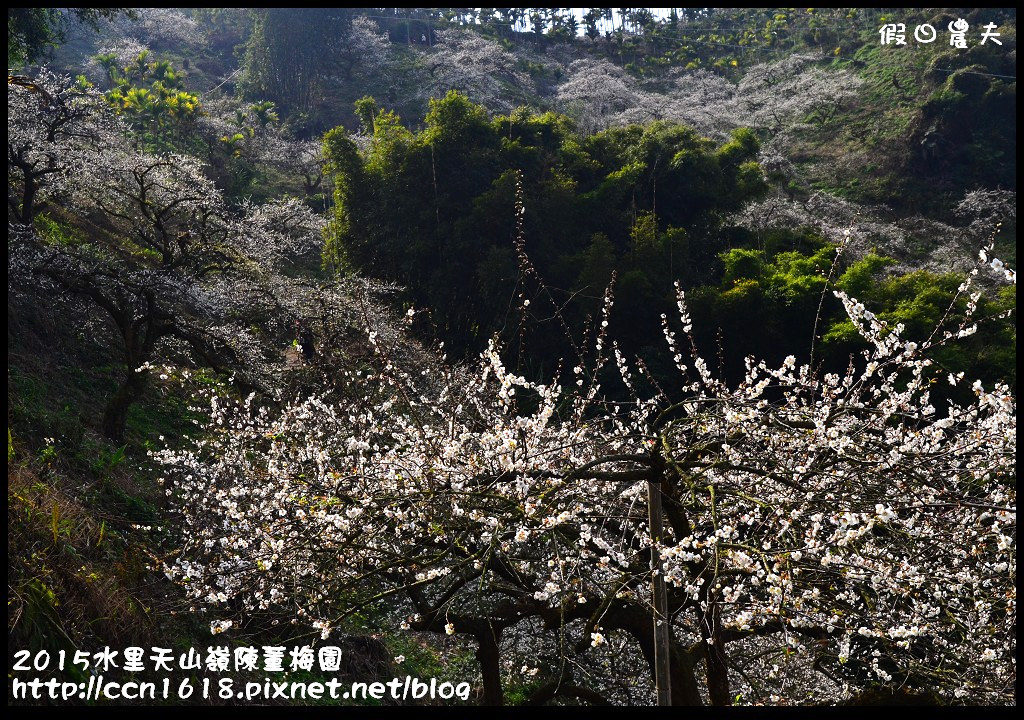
<point>569,356</point>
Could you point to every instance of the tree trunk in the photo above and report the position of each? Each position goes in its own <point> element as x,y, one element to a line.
<point>718,671</point>
<point>115,416</point>
<point>660,619</point>
<point>487,654</point>
<point>683,680</point>
<point>28,202</point>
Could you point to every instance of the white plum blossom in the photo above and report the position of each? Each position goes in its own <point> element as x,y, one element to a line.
<point>475,500</point>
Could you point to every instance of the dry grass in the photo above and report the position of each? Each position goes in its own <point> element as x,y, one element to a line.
<point>67,570</point>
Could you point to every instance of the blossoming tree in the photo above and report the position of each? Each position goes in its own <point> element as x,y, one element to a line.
<point>823,534</point>
<point>161,256</point>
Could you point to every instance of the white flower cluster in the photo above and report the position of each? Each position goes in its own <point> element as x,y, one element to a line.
<point>845,522</point>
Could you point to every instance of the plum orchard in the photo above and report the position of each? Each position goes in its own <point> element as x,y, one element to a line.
<point>825,534</point>
<point>151,246</point>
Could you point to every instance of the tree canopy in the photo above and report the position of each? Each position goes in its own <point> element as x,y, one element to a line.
<point>432,210</point>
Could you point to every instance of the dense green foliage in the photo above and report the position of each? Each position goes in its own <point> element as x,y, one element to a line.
<point>291,52</point>
<point>435,211</point>
<point>32,31</point>
<point>151,94</point>
<point>644,205</point>
<point>933,122</point>
<point>768,300</point>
